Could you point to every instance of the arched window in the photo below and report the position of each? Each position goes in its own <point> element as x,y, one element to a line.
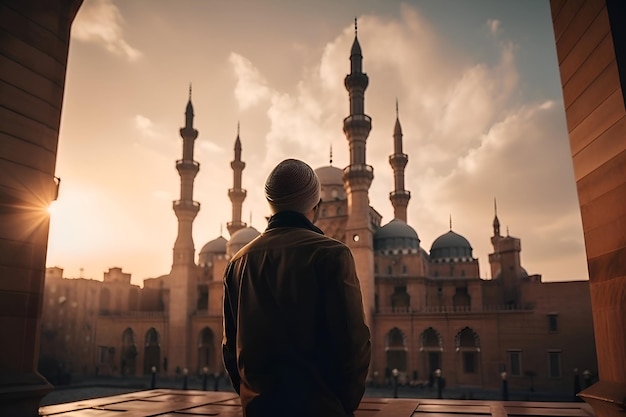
<point>431,346</point>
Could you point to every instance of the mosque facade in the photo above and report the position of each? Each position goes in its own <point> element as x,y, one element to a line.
<point>429,312</point>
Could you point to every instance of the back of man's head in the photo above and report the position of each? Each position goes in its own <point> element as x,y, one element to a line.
<point>292,186</point>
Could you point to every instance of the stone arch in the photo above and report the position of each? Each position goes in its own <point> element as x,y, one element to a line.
<point>128,357</point>
<point>152,351</point>
<point>396,350</point>
<point>206,350</point>
<point>467,343</point>
<point>431,348</point>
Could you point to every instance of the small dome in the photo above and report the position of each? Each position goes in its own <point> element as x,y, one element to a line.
<point>241,238</point>
<point>451,246</point>
<point>215,246</point>
<point>396,235</point>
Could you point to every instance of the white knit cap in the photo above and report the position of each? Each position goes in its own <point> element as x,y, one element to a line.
<point>292,186</point>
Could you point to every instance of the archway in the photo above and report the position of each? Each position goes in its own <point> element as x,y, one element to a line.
<point>467,344</point>
<point>396,351</point>
<point>151,351</point>
<point>431,348</point>
<point>206,350</point>
<point>128,358</point>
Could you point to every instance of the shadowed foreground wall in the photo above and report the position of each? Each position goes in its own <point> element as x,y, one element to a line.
<point>34,39</point>
<point>591,49</point>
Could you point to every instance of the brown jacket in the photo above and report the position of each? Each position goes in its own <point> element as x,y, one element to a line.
<point>295,340</point>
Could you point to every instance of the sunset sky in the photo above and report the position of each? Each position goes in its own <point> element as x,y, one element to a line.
<point>479,102</point>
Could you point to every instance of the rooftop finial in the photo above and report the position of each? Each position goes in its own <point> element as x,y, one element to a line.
<point>450,221</point>
<point>189,91</point>
<point>237,128</point>
<point>331,154</point>
<point>507,231</point>
<point>355,27</point>
<point>221,229</point>
<point>495,207</point>
<point>397,107</point>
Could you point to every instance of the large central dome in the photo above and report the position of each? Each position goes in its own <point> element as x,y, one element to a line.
<point>331,182</point>
<point>451,246</point>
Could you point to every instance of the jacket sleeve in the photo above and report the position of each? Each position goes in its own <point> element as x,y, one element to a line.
<point>349,333</point>
<point>229,341</point>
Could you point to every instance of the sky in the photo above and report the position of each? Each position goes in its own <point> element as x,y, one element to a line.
<point>479,101</point>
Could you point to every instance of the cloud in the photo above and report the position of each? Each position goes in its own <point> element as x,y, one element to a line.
<point>251,87</point>
<point>145,126</point>
<point>100,21</point>
<point>493,25</point>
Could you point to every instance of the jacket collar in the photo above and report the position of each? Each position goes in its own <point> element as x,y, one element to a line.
<point>291,219</point>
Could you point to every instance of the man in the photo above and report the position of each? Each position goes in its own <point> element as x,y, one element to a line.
<point>295,340</point>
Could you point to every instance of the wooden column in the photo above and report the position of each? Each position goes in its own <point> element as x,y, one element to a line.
<point>591,48</point>
<point>34,40</point>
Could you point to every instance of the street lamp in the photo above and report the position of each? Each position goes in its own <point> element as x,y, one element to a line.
<point>439,387</point>
<point>216,382</point>
<point>185,376</point>
<point>153,377</point>
<point>505,387</point>
<point>205,375</point>
<point>587,378</point>
<point>394,374</point>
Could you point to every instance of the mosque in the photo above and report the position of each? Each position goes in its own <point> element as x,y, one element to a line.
<point>429,312</point>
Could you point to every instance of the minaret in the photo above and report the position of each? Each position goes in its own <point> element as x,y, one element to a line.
<point>182,276</point>
<point>399,196</point>
<point>357,178</point>
<point>496,223</point>
<point>236,194</point>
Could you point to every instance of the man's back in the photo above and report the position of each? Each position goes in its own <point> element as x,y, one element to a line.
<point>295,338</point>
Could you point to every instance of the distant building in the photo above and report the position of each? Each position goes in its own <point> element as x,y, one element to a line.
<point>427,310</point>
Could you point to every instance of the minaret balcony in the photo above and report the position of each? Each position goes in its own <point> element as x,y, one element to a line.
<point>356,80</point>
<point>186,205</point>
<point>186,164</point>
<point>355,174</point>
<point>237,193</point>
<point>400,194</point>
<point>398,160</point>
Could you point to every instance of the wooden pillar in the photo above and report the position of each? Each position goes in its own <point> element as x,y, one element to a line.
<point>34,40</point>
<point>591,48</point>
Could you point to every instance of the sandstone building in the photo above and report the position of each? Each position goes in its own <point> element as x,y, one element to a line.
<point>427,309</point>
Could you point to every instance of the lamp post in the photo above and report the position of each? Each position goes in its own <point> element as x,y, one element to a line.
<point>587,378</point>
<point>216,382</point>
<point>438,380</point>
<point>394,374</point>
<point>185,376</point>
<point>205,376</point>
<point>576,385</point>
<point>153,378</point>
<point>376,379</point>
<point>505,387</point>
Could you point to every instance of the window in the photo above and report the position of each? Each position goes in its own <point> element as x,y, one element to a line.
<point>404,270</point>
<point>469,362</point>
<point>553,322</point>
<point>554,363</point>
<point>515,361</point>
<point>389,270</point>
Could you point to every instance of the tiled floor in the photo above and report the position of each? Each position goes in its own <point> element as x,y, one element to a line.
<point>177,403</point>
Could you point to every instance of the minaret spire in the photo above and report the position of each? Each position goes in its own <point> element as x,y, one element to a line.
<point>357,178</point>
<point>331,154</point>
<point>496,222</point>
<point>182,277</point>
<point>399,196</point>
<point>236,194</point>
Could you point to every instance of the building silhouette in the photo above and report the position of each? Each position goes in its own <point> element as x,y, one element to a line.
<point>427,310</point>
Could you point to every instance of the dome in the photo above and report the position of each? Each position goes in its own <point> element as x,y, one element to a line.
<point>331,183</point>
<point>396,235</point>
<point>330,175</point>
<point>451,246</point>
<point>240,238</point>
<point>215,246</point>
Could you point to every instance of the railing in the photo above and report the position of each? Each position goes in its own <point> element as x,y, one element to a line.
<point>455,309</point>
<point>134,314</point>
<point>185,203</point>
<point>358,168</point>
<point>358,118</point>
<point>188,162</point>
